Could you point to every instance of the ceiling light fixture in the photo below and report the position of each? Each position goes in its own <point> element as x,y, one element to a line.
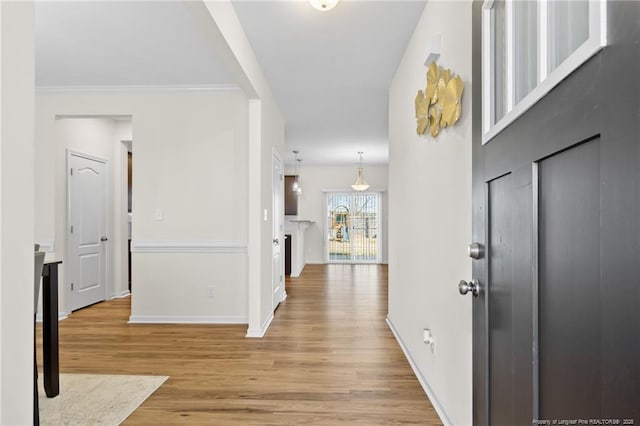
<point>361,184</point>
<point>323,5</point>
<point>296,184</point>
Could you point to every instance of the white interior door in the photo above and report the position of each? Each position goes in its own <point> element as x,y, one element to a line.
<point>87,263</point>
<point>278,230</point>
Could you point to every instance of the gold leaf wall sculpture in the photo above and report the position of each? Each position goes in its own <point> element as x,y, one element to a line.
<point>421,112</point>
<point>438,106</point>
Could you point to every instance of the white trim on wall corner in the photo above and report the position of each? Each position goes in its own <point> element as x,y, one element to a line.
<point>120,295</point>
<point>254,333</point>
<point>178,319</point>
<point>47,246</point>
<point>223,247</point>
<point>138,88</point>
<point>423,381</point>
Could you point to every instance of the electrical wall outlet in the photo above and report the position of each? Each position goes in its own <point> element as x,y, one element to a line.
<point>211,292</point>
<point>429,340</point>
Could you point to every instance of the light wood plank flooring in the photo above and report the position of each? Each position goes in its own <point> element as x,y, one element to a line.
<point>328,359</point>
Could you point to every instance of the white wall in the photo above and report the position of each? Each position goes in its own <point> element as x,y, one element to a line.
<point>314,180</point>
<point>191,152</point>
<point>16,212</point>
<point>430,218</point>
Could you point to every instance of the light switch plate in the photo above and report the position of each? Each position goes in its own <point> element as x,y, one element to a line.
<point>159,214</point>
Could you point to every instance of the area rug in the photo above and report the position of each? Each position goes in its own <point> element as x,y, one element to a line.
<point>92,399</point>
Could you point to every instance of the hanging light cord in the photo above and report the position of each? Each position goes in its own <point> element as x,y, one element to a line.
<point>296,184</point>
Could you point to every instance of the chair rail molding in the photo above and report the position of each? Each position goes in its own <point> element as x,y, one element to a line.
<point>217,246</point>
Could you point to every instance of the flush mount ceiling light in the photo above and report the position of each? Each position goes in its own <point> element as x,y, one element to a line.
<point>361,184</point>
<point>296,184</point>
<point>323,5</point>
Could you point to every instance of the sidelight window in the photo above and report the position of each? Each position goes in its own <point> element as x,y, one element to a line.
<point>528,47</point>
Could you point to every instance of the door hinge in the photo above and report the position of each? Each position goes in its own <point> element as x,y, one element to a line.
<point>280,277</point>
<point>71,286</point>
<point>71,229</point>
<point>281,177</point>
<point>71,171</point>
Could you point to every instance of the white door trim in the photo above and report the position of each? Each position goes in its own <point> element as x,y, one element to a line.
<point>67,284</point>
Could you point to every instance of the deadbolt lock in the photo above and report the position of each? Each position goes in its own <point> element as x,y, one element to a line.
<point>476,251</point>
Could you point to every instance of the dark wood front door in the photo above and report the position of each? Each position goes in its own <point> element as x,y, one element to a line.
<point>556,203</point>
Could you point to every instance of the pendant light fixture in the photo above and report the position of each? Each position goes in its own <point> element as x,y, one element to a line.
<point>323,5</point>
<point>296,184</point>
<point>360,184</point>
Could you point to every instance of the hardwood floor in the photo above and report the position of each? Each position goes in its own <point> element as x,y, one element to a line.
<point>327,359</point>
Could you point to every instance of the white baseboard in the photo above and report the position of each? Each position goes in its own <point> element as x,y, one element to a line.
<point>423,381</point>
<point>179,319</point>
<point>296,274</point>
<point>263,330</point>
<point>61,316</point>
<point>120,295</point>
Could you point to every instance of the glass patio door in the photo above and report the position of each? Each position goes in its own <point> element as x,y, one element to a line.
<point>353,227</point>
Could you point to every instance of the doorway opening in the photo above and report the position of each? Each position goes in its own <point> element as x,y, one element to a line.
<point>353,227</point>
<point>98,206</point>
<point>129,147</point>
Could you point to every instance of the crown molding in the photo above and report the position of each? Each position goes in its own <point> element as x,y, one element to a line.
<point>138,88</point>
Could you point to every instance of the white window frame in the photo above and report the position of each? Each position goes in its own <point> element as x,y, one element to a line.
<point>546,80</point>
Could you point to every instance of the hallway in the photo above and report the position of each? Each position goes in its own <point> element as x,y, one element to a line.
<point>328,358</point>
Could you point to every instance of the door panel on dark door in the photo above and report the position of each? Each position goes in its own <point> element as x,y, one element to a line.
<point>500,293</point>
<point>570,283</point>
<point>509,298</point>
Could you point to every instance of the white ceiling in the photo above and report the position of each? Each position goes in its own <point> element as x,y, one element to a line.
<point>122,43</point>
<point>329,71</point>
